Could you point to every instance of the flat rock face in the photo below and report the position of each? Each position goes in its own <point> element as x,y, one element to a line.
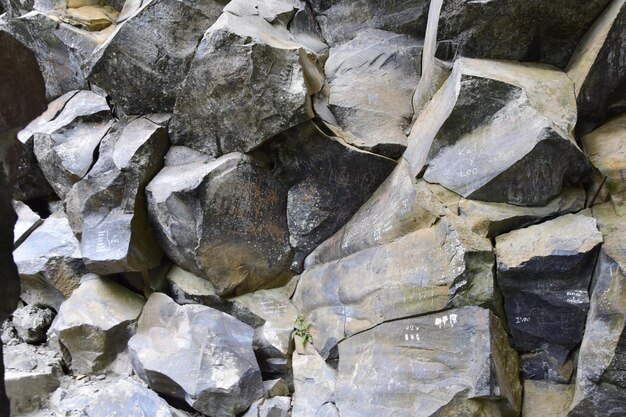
<point>196,354</point>
<point>606,148</point>
<point>327,181</point>
<point>276,72</point>
<point>94,324</point>
<point>546,399</point>
<point>50,262</point>
<point>107,208</point>
<point>314,381</point>
<point>544,272</point>
<point>431,269</point>
<point>147,57</point>
<point>223,220</point>
<point>601,377</point>
<point>371,80</point>
<point>439,363</point>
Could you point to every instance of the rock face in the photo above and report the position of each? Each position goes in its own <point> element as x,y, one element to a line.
<point>50,263</point>
<point>545,399</point>
<point>196,354</point>
<point>431,269</point>
<point>94,324</point>
<point>544,272</point>
<point>478,369</point>
<point>107,208</point>
<point>314,381</point>
<point>140,70</point>
<point>276,72</point>
<point>223,220</point>
<point>601,377</point>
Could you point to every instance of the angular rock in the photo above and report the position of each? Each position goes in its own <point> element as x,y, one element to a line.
<point>140,70</point>
<point>481,150</point>
<point>50,263</point>
<point>32,322</point>
<point>598,71</point>
<point>327,182</point>
<point>606,148</point>
<point>544,272</point>
<point>107,208</point>
<point>223,220</point>
<point>91,18</point>
<point>275,388</point>
<point>187,288</point>
<point>27,222</point>
<point>371,80</point>
<point>601,377</point>
<point>547,365</point>
<point>493,219</point>
<point>275,72</point>
<point>545,399</point>
<point>198,355</point>
<point>451,363</point>
<point>94,324</point>
<point>314,383</point>
<point>431,269</point>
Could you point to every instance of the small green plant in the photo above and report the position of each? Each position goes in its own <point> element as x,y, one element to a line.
<point>301,329</point>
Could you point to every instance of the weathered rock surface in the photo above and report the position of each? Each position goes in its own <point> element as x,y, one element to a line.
<point>371,80</point>
<point>94,324</point>
<point>223,220</point>
<point>275,71</point>
<point>601,377</point>
<point>32,322</point>
<point>431,269</point>
<point>275,388</point>
<point>50,263</point>
<point>606,148</point>
<point>196,354</point>
<point>107,208</point>
<point>327,181</point>
<point>547,365</point>
<point>144,61</point>
<point>598,71</point>
<point>455,362</point>
<point>544,272</point>
<point>545,399</point>
<point>27,221</point>
<point>314,383</point>
<point>518,148</point>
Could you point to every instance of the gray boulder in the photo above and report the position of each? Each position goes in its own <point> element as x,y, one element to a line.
<point>107,208</point>
<point>94,324</point>
<point>32,322</point>
<point>50,263</point>
<point>198,355</point>
<point>27,222</point>
<point>431,269</point>
<point>275,71</point>
<point>148,55</point>
<point>223,220</point>
<point>314,383</point>
<point>601,376</point>
<point>455,363</point>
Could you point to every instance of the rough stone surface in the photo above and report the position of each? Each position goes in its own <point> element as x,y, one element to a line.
<point>144,61</point>
<point>50,263</point>
<point>223,220</point>
<point>455,362</point>
<point>275,72</point>
<point>544,272</point>
<point>545,399</point>
<point>94,324</point>
<point>27,221</point>
<point>32,322</point>
<point>275,388</point>
<point>431,269</point>
<point>107,208</point>
<point>198,355</point>
<point>314,383</point>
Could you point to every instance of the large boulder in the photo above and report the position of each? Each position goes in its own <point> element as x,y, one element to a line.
<point>482,150</point>
<point>544,272</point>
<point>454,363</point>
<point>107,208</point>
<point>431,269</point>
<point>144,61</point>
<point>196,354</point>
<point>601,377</point>
<point>94,324</point>
<point>223,220</point>
<point>276,71</point>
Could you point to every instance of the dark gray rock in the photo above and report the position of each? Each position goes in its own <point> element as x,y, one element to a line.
<point>431,269</point>
<point>327,182</point>
<point>275,72</point>
<point>107,208</point>
<point>551,365</point>
<point>32,322</point>
<point>198,355</point>
<point>223,220</point>
<point>144,61</point>
<point>544,272</point>
<point>454,363</point>
<point>27,222</point>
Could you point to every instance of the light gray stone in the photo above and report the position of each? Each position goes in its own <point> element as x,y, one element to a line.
<point>275,388</point>
<point>32,322</point>
<point>314,383</point>
<point>27,222</point>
